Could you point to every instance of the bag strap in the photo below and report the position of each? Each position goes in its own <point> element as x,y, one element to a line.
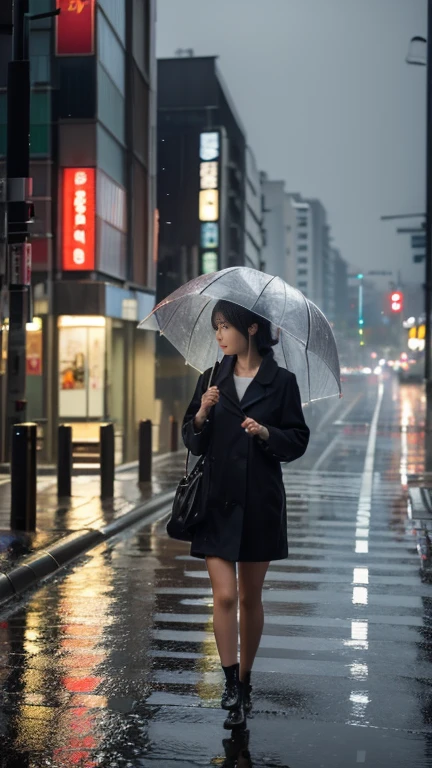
<point>206,383</point>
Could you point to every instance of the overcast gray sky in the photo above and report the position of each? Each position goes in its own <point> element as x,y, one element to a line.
<point>328,102</point>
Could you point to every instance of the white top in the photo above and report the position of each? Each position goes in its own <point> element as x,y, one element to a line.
<point>241,385</point>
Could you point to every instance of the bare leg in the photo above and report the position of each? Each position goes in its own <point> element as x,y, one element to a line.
<point>224,585</point>
<point>251,580</point>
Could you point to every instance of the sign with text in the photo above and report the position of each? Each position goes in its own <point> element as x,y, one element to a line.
<point>78,252</point>
<point>209,202</point>
<point>209,145</point>
<point>75,28</point>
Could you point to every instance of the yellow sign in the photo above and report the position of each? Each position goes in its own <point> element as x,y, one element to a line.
<point>209,205</point>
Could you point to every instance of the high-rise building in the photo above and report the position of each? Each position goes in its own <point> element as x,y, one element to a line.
<point>276,254</point>
<point>338,312</point>
<point>93,141</point>
<point>297,248</point>
<point>253,213</point>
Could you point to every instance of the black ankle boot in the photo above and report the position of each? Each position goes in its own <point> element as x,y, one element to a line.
<point>230,696</point>
<point>237,716</point>
<point>247,693</point>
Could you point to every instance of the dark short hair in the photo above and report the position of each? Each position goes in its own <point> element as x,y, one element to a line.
<point>242,319</point>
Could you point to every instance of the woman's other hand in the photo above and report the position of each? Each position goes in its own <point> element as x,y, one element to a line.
<point>254,429</point>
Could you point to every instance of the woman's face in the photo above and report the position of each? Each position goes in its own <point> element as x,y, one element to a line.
<point>230,340</point>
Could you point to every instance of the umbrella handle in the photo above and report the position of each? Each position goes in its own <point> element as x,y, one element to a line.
<point>211,375</point>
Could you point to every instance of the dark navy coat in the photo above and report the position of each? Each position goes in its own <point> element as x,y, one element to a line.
<point>243,497</point>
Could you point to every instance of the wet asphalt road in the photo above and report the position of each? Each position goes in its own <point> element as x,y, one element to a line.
<point>114,663</point>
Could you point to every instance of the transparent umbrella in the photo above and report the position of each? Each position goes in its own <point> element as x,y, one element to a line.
<point>306,343</point>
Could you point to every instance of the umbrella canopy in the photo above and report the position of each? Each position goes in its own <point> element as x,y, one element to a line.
<point>306,343</point>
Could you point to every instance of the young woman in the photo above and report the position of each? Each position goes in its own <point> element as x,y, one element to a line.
<point>246,423</point>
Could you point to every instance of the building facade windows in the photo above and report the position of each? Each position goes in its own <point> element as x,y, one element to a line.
<point>111,105</point>
<point>111,53</point>
<point>86,331</point>
<point>115,12</point>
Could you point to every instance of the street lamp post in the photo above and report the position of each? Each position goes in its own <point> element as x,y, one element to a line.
<point>414,57</point>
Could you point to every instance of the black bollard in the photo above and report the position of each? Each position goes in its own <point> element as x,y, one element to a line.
<point>107,463</point>
<point>173,434</point>
<point>23,477</point>
<point>145,451</point>
<point>64,461</point>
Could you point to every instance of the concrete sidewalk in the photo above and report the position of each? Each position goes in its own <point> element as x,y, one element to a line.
<point>68,527</point>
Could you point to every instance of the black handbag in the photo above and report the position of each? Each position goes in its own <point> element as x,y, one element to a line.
<point>186,507</point>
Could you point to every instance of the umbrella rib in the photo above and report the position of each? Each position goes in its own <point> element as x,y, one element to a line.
<point>307,344</point>
<point>285,303</point>
<point>162,330</point>
<point>219,277</point>
<point>336,378</point>
<point>259,296</point>
<point>195,323</point>
<point>283,352</point>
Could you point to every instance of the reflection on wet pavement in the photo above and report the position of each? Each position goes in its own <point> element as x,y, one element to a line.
<point>108,664</point>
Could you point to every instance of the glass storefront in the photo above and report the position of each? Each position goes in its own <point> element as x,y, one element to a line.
<point>82,348</point>
<point>34,370</point>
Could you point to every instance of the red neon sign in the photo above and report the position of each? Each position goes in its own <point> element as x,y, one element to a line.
<point>75,28</point>
<point>78,219</point>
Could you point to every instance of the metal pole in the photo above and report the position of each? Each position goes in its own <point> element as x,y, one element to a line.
<point>18,211</point>
<point>64,461</point>
<point>23,477</point>
<point>428,260</point>
<point>107,461</point>
<point>145,451</point>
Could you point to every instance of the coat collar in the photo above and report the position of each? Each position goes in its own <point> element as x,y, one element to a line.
<point>256,391</point>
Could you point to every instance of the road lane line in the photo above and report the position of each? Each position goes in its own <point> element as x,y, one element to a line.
<point>360,596</point>
<point>361,756</point>
<point>367,477</point>
<point>337,437</point>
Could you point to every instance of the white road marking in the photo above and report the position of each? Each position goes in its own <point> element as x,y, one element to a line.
<point>361,756</point>
<point>361,575</point>
<point>337,438</point>
<point>367,477</point>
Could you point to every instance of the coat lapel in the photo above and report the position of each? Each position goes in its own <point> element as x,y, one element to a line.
<point>259,387</point>
<point>256,391</point>
<point>225,382</point>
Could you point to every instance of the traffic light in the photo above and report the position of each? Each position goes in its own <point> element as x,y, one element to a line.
<point>396,301</point>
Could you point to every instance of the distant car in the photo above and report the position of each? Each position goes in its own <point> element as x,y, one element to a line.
<point>412,371</point>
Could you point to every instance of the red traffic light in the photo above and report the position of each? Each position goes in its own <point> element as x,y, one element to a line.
<point>396,300</point>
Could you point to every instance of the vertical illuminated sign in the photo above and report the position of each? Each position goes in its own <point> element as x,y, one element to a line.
<point>209,200</point>
<point>78,247</point>
<point>75,28</point>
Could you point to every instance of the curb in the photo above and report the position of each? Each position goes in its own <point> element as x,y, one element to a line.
<point>49,561</point>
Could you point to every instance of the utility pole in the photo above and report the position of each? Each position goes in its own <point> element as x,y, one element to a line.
<point>428,267</point>
<point>18,216</point>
